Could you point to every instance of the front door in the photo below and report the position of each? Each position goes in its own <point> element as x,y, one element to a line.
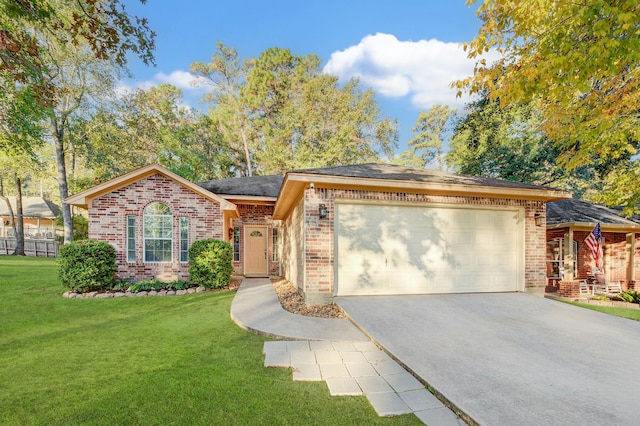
<point>255,250</point>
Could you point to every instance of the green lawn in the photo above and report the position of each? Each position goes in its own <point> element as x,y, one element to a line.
<point>629,313</point>
<point>148,360</point>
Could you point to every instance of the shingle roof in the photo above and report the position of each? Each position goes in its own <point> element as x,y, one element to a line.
<point>31,207</point>
<point>395,172</point>
<point>258,186</point>
<point>572,210</point>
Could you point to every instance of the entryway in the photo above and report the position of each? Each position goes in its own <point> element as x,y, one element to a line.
<point>255,250</point>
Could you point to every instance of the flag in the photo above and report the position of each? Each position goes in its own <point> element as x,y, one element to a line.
<point>594,243</point>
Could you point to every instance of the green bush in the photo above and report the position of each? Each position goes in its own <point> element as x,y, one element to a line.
<point>156,284</point>
<point>87,265</point>
<point>630,296</point>
<point>210,263</point>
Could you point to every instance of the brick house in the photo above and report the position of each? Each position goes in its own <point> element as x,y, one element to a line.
<point>343,230</point>
<point>569,222</point>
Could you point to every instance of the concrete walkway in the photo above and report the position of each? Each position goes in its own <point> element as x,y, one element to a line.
<point>256,308</point>
<point>335,351</point>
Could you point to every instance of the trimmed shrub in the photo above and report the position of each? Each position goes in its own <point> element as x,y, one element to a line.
<point>210,263</point>
<point>87,265</point>
<point>630,296</point>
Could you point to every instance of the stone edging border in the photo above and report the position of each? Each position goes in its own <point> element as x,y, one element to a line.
<point>110,294</point>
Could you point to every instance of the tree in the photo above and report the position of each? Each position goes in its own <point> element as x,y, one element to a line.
<point>151,126</point>
<point>69,51</point>
<point>81,79</point>
<point>102,25</point>
<point>304,118</point>
<point>16,168</point>
<point>426,145</point>
<point>230,114</point>
<point>20,115</point>
<point>578,61</point>
<point>504,143</point>
<point>3,197</point>
<point>282,113</point>
<point>20,135</point>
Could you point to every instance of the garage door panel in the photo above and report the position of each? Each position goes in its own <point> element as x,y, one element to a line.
<point>411,250</point>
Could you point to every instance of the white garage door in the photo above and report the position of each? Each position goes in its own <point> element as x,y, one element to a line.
<point>393,249</point>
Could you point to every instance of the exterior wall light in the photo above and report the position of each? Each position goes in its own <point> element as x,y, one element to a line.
<point>539,218</point>
<point>322,211</point>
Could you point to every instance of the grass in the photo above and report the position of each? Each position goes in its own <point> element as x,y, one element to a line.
<point>630,313</point>
<point>152,361</point>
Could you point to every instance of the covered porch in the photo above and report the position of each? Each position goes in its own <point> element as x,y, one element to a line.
<point>569,261</point>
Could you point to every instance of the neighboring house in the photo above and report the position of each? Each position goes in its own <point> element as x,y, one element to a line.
<point>39,216</point>
<point>569,222</point>
<point>343,230</point>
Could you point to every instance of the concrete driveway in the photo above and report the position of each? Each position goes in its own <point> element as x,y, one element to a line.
<point>512,358</point>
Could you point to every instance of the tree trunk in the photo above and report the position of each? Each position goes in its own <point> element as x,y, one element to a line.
<point>247,157</point>
<point>20,231</point>
<point>63,187</point>
<point>6,200</point>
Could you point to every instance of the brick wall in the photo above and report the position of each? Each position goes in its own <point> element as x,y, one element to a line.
<point>108,219</point>
<point>318,263</point>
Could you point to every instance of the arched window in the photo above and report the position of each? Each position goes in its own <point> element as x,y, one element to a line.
<point>158,222</point>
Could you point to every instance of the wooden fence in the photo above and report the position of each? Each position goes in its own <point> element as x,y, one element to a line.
<point>40,248</point>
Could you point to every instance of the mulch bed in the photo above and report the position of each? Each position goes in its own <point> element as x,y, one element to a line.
<point>293,302</point>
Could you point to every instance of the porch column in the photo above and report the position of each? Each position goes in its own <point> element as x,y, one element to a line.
<point>631,249</point>
<point>569,257</point>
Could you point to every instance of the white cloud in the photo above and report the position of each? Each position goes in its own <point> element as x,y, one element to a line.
<point>183,80</point>
<point>423,70</point>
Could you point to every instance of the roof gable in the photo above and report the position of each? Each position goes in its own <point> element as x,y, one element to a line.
<point>83,198</point>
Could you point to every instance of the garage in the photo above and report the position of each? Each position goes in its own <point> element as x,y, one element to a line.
<point>427,248</point>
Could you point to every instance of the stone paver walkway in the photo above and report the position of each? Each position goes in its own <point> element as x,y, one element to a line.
<point>360,368</point>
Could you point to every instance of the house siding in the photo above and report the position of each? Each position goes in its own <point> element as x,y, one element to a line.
<point>318,283</point>
<point>108,219</point>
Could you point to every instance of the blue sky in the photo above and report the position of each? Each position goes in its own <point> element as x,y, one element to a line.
<point>407,51</point>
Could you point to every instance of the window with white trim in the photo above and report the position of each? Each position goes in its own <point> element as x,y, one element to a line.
<point>184,239</point>
<point>236,244</point>
<point>131,238</point>
<point>275,238</point>
<point>158,239</point>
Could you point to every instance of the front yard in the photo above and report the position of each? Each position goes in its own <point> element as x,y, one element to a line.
<point>144,360</point>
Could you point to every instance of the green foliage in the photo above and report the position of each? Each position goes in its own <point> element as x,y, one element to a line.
<point>279,112</point>
<point>80,227</point>
<point>210,263</point>
<point>426,145</point>
<point>631,296</point>
<point>507,143</point>
<point>578,62</point>
<point>87,265</point>
<point>155,284</point>
<point>31,28</point>
<point>20,129</point>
